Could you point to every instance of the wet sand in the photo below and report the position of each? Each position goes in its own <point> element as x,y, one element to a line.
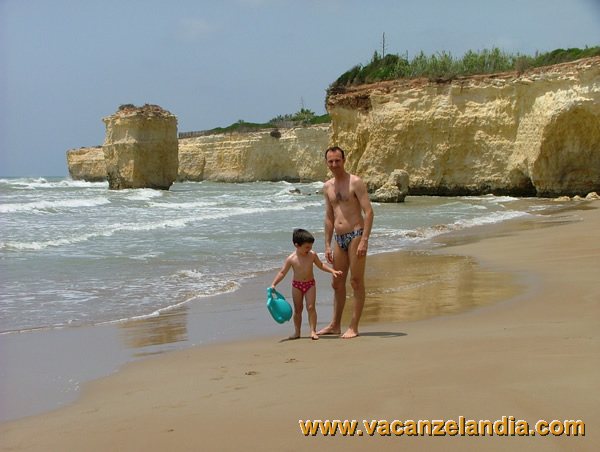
<point>503,322</point>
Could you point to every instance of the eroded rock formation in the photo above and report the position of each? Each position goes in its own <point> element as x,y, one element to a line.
<point>87,164</point>
<point>532,134</point>
<point>394,190</point>
<point>141,148</point>
<point>292,154</point>
<point>289,154</point>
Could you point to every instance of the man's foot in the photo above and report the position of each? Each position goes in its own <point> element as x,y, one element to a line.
<point>328,330</point>
<point>294,336</point>
<point>350,334</point>
<point>314,336</point>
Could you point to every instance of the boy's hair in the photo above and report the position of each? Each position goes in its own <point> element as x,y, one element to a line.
<point>335,149</point>
<point>302,236</point>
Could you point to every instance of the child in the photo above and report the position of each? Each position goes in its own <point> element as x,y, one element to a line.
<point>303,284</point>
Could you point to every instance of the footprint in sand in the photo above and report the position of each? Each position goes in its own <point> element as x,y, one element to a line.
<point>222,371</point>
<point>291,360</point>
<point>251,372</point>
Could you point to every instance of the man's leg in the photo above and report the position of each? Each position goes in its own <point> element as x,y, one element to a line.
<point>357,266</point>
<point>340,262</point>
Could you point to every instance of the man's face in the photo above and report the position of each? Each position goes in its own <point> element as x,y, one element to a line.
<point>335,161</point>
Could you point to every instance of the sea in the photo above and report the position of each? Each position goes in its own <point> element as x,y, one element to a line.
<point>93,278</point>
<point>75,253</point>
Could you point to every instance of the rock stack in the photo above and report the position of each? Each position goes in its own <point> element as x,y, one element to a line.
<point>141,148</point>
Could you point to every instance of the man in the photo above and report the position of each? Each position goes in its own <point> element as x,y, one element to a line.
<point>349,219</point>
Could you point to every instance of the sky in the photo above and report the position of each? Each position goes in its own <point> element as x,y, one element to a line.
<point>66,64</point>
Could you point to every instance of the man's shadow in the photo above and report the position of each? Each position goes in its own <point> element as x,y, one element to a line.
<point>381,334</point>
<point>384,334</point>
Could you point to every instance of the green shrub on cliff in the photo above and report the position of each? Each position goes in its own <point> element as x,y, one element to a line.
<point>442,66</point>
<point>238,126</point>
<point>300,118</point>
<point>322,119</point>
<point>563,56</point>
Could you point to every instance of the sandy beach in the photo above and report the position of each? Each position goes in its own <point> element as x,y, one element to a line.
<point>515,334</point>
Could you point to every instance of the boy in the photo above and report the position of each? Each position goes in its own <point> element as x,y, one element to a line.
<point>303,284</point>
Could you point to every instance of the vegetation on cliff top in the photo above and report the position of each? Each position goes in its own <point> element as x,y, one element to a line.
<point>303,117</point>
<point>147,109</point>
<point>442,66</point>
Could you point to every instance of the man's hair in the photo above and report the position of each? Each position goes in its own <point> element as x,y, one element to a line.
<point>335,149</point>
<point>302,236</point>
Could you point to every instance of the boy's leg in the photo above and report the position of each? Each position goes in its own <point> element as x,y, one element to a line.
<point>297,298</point>
<point>311,296</point>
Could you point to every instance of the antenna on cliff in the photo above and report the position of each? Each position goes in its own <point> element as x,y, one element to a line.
<point>383,45</point>
<point>301,103</point>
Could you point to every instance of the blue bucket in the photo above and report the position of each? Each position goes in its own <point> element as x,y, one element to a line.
<point>278,306</point>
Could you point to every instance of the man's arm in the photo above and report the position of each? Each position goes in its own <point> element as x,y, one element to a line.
<point>329,219</point>
<point>360,190</point>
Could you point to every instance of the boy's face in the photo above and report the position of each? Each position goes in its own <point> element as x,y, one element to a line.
<point>304,249</point>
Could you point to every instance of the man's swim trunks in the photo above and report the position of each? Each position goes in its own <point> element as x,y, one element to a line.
<point>343,240</point>
<point>304,286</point>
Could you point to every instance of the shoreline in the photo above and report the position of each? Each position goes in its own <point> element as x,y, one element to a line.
<point>47,367</point>
<point>479,339</point>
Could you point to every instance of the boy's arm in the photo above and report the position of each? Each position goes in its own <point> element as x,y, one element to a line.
<point>286,267</point>
<point>324,267</point>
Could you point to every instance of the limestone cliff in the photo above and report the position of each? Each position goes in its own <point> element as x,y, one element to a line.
<point>288,154</point>
<point>536,133</point>
<point>87,164</point>
<point>140,148</point>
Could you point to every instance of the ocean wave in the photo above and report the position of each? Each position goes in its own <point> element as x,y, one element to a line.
<point>316,185</point>
<point>53,206</point>
<point>145,256</point>
<point>196,286</point>
<point>294,190</point>
<point>494,217</point>
<point>211,285</point>
<point>491,218</point>
<point>204,283</point>
<point>40,245</point>
<point>24,181</point>
<point>183,205</point>
<point>491,198</point>
<point>40,182</point>
<point>176,223</point>
<point>398,239</point>
<point>109,231</point>
<point>143,194</point>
